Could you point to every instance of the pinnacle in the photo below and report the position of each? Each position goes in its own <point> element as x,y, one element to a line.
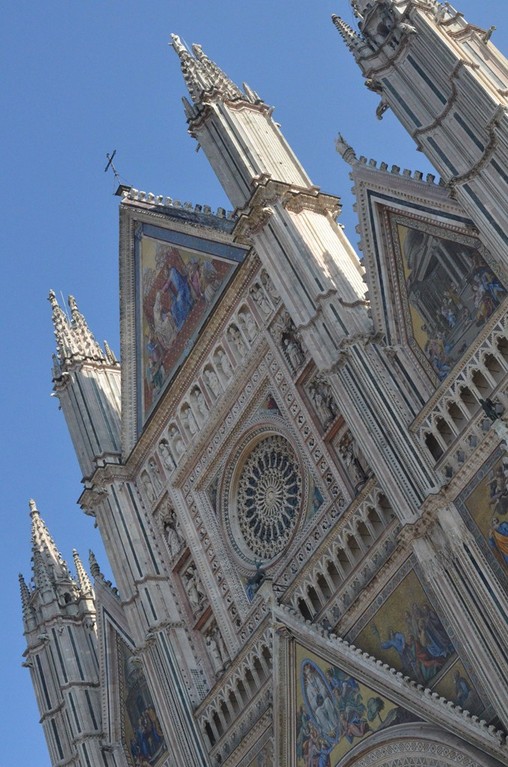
<point>352,39</point>
<point>83,579</point>
<point>204,79</point>
<point>94,565</point>
<point>74,340</point>
<point>25,596</point>
<point>48,563</point>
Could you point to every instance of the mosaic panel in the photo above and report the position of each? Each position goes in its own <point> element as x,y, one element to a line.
<point>451,291</point>
<point>334,711</point>
<point>179,279</point>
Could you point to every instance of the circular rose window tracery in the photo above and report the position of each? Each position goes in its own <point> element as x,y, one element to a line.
<point>268,497</point>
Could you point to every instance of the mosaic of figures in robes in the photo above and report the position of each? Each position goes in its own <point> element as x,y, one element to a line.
<point>488,506</point>
<point>335,712</point>
<point>452,293</point>
<point>407,633</point>
<point>456,685</point>
<point>178,289</point>
<point>143,736</point>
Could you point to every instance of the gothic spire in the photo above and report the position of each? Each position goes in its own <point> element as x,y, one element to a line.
<point>41,575</point>
<point>352,39</point>
<point>95,570</point>
<point>25,598</point>
<point>48,564</point>
<point>74,340</point>
<point>82,576</point>
<point>205,80</point>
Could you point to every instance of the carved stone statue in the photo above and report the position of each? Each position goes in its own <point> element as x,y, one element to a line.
<point>323,399</point>
<point>177,441</point>
<point>200,402</point>
<point>216,635</point>
<point>236,339</point>
<point>214,653</point>
<point>260,299</point>
<point>165,453</point>
<point>293,352</point>
<point>189,421</point>
<point>194,588</point>
<point>212,380</point>
<point>248,324</point>
<point>148,486</point>
<point>170,529</point>
<point>351,459</point>
<point>155,475</point>
<point>224,363</point>
<point>269,287</point>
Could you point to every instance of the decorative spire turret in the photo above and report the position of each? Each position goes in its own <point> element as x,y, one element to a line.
<point>25,600</point>
<point>81,574</point>
<point>86,380</point>
<point>353,40</point>
<point>205,80</point>
<point>74,340</point>
<point>95,570</point>
<point>48,562</point>
<point>42,576</point>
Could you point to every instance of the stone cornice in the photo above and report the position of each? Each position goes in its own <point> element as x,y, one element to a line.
<point>207,109</point>
<point>267,193</point>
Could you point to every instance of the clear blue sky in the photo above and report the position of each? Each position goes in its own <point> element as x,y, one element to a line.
<point>79,80</point>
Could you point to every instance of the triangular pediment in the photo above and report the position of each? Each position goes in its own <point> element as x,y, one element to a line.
<point>433,286</point>
<point>334,702</point>
<point>175,265</point>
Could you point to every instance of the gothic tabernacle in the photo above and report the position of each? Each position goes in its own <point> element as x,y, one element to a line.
<point>299,468</point>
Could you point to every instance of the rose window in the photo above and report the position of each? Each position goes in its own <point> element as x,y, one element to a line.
<point>269,494</point>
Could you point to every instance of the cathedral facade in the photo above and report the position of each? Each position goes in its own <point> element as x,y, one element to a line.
<point>299,467</point>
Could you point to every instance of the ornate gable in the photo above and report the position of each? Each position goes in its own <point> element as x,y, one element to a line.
<point>432,284</point>
<point>339,706</point>
<point>175,264</point>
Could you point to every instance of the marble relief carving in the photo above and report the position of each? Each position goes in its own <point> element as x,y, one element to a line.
<point>323,401</point>
<point>261,300</point>
<point>269,497</point>
<point>288,339</point>
<point>212,380</point>
<point>171,532</point>
<point>270,288</point>
<point>216,648</point>
<point>237,342</point>
<point>166,455</point>
<point>352,458</point>
<point>194,589</point>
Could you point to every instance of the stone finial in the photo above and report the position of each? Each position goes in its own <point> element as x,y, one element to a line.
<point>95,570</point>
<point>82,576</point>
<point>74,341</point>
<point>110,355</point>
<point>204,79</point>
<point>41,575</point>
<point>25,597</point>
<point>218,79</point>
<point>345,150</point>
<point>352,39</point>
<point>48,563</point>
